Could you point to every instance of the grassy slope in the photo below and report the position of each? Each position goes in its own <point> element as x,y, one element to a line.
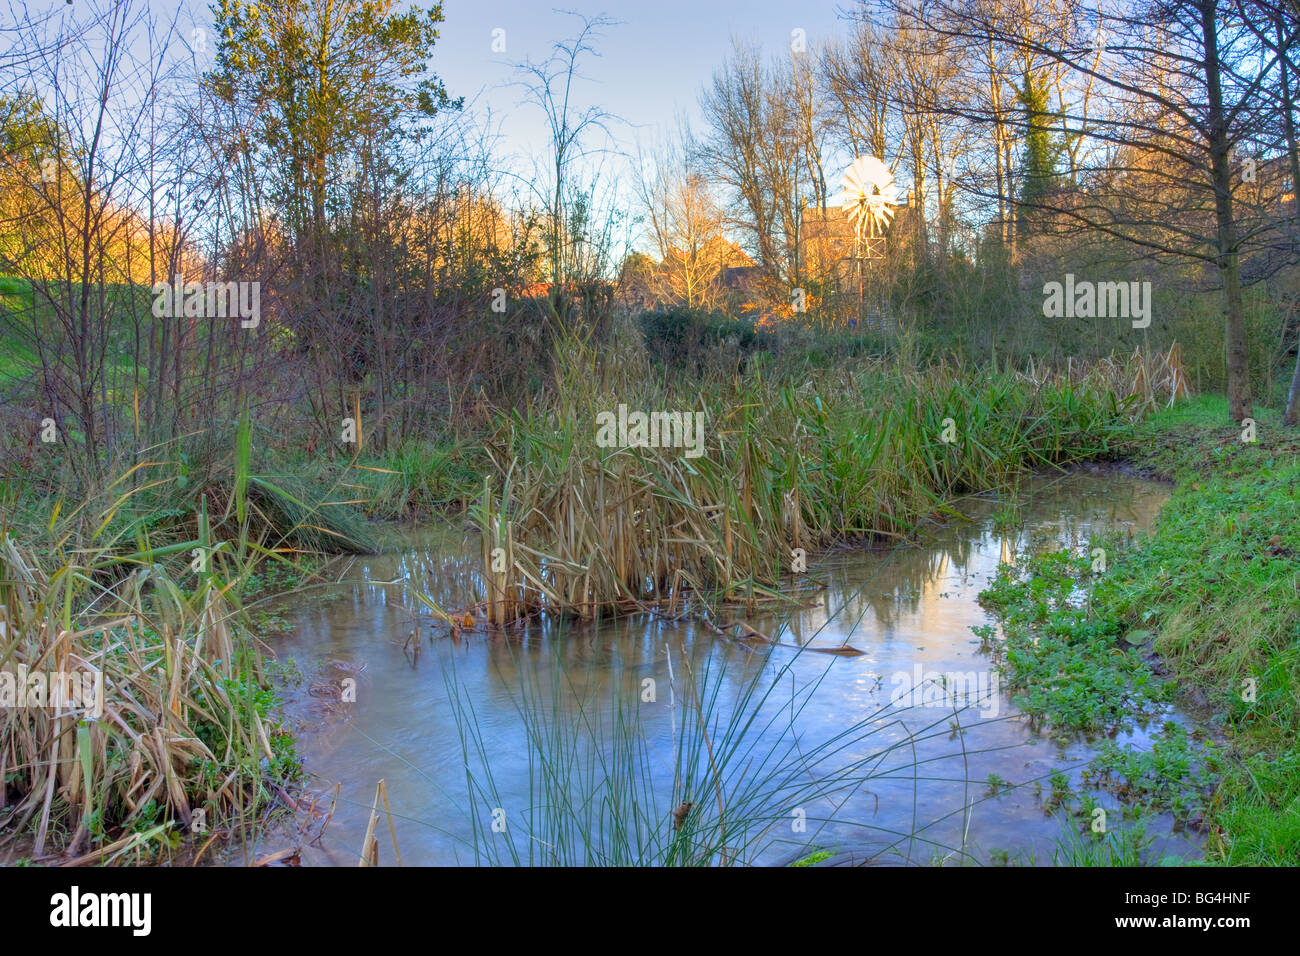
<point>19,358</point>
<point>1219,582</point>
<point>1213,592</point>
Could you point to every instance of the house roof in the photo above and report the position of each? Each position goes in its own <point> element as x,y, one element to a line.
<point>736,277</point>
<point>833,223</point>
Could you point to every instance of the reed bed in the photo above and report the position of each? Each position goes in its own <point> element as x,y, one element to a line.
<point>790,463</point>
<point>179,723</point>
<point>178,733</point>
<point>1150,380</point>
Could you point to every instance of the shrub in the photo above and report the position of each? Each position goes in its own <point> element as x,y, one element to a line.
<point>684,338</point>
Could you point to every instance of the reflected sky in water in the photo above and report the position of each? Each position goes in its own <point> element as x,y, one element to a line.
<point>908,609</point>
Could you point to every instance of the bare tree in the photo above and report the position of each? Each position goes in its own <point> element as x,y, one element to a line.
<point>1185,78</point>
<point>81,242</point>
<point>766,128</point>
<point>567,205</point>
<point>684,221</point>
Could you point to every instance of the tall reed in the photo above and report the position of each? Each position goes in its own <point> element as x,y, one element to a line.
<point>180,722</point>
<point>718,770</point>
<point>789,462</point>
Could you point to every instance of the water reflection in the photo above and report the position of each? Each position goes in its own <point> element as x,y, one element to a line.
<point>908,610</point>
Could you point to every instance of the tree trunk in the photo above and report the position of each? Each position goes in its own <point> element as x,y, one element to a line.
<point>1292,414</point>
<point>1238,352</point>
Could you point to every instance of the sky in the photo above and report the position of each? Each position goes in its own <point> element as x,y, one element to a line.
<point>650,69</point>
<point>651,66</point>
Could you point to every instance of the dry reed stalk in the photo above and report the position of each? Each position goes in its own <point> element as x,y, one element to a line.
<point>370,842</point>
<point>160,672</point>
<point>590,529</point>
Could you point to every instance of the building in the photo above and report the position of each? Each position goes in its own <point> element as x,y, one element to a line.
<point>828,244</point>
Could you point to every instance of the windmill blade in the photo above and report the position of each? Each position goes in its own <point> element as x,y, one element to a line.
<point>875,171</point>
<point>868,180</point>
<point>883,215</point>
<point>855,180</point>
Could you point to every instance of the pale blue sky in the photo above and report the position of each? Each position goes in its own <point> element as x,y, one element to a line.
<point>651,66</point>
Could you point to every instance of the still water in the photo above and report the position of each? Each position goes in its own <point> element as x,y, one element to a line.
<point>920,792</point>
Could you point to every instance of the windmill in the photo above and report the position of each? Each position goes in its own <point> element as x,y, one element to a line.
<point>869,195</point>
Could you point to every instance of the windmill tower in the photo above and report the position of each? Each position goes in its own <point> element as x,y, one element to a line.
<point>869,195</point>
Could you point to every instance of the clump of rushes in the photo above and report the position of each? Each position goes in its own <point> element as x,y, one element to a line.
<point>790,461</point>
<point>182,721</point>
<point>186,724</point>
<point>713,774</point>
<point>1125,846</point>
<point>418,479</point>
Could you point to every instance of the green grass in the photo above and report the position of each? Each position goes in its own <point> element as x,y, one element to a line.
<point>1219,582</point>
<point>421,478</point>
<point>1121,847</point>
<point>1218,578</point>
<point>19,358</point>
<point>1259,812</point>
<point>1212,593</point>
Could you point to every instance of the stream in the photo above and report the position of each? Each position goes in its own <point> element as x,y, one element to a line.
<point>908,610</point>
